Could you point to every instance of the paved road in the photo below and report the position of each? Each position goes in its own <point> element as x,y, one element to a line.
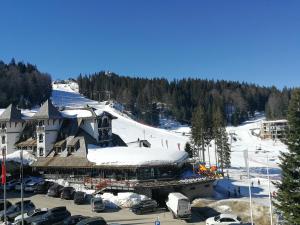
<point>123,216</point>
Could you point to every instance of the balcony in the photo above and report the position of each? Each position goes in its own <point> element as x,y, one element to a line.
<point>40,128</point>
<point>2,130</point>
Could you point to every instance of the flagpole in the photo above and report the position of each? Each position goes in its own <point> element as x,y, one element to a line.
<point>21,180</point>
<point>270,199</point>
<point>246,158</point>
<point>4,182</point>
<point>250,193</point>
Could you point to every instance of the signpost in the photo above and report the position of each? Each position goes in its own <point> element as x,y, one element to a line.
<point>157,222</point>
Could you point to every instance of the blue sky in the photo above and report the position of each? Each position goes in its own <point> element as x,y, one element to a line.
<point>253,41</point>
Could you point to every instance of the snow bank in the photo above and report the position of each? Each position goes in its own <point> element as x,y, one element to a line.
<point>122,200</point>
<point>134,156</point>
<point>28,158</point>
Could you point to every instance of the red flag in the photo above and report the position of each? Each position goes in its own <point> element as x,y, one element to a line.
<point>3,173</point>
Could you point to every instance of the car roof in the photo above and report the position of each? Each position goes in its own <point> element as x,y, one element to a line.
<point>91,219</point>
<point>58,208</point>
<point>228,216</point>
<point>69,188</point>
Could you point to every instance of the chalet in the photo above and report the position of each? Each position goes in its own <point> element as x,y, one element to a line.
<point>273,129</point>
<point>50,132</point>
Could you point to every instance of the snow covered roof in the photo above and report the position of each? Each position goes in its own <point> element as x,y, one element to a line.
<point>134,156</point>
<point>275,121</point>
<point>77,113</point>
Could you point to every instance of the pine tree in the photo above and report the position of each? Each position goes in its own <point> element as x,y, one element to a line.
<point>288,196</point>
<point>188,149</point>
<point>198,131</point>
<point>221,138</point>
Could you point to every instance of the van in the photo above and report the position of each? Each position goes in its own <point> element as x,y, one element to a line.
<point>179,205</point>
<point>97,204</point>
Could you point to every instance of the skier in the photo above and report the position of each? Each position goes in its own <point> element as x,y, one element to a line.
<point>258,182</point>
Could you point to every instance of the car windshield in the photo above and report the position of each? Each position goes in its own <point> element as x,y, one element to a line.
<point>217,218</point>
<point>31,212</point>
<point>98,201</point>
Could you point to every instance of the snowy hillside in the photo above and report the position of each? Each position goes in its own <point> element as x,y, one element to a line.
<point>166,146</point>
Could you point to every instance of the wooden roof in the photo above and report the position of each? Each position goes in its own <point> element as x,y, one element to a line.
<point>29,142</point>
<point>60,143</point>
<point>63,162</point>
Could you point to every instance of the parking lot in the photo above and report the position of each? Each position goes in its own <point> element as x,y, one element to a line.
<point>122,216</point>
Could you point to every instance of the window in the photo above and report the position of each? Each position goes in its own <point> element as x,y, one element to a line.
<point>3,125</point>
<point>41,122</point>
<point>105,122</point>
<point>41,151</point>
<point>3,139</point>
<point>227,220</point>
<point>41,138</point>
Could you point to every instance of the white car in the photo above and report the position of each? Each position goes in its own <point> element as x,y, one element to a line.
<point>33,213</point>
<point>224,219</point>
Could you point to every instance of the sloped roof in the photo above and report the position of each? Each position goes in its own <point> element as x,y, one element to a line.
<point>100,112</point>
<point>11,113</point>
<point>63,162</point>
<point>47,111</point>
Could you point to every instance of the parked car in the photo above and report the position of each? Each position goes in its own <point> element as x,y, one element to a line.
<point>73,220</point>
<point>25,181</point>
<point>54,216</point>
<point>144,206</point>
<point>13,211</point>
<point>67,193</point>
<point>179,205</point>
<point>55,190</point>
<point>79,197</point>
<point>31,185</point>
<point>42,188</point>
<point>8,204</point>
<point>97,204</point>
<point>10,185</point>
<point>32,214</point>
<point>93,221</point>
<point>224,219</point>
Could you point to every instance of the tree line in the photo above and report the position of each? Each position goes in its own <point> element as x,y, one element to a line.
<point>203,133</point>
<point>146,98</point>
<point>23,85</point>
